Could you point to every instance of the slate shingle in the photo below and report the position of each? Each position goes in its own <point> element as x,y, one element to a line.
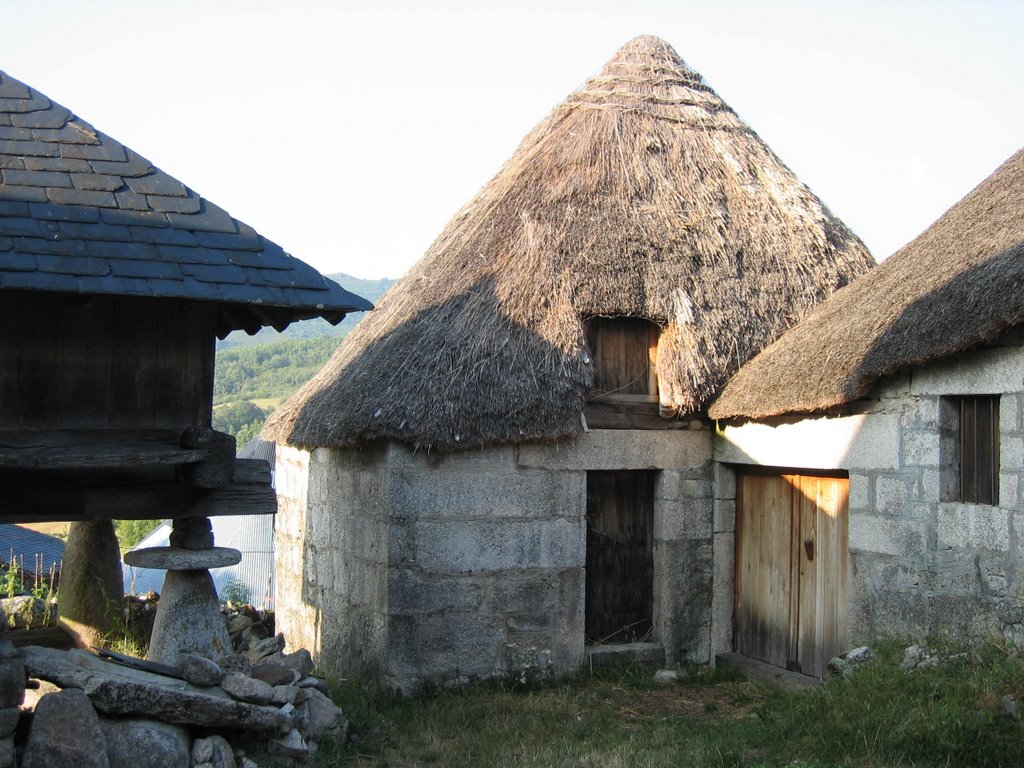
<point>22,194</point>
<point>64,212</point>
<point>36,178</point>
<point>80,212</point>
<point>21,148</point>
<point>54,247</point>
<point>55,117</point>
<point>81,197</point>
<point>77,167</point>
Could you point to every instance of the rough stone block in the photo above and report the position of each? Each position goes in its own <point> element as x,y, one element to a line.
<point>969,526</point>
<point>366,584</point>
<point>1011,453</point>
<point>858,595</point>
<point>922,413</point>
<point>65,731</point>
<point>964,617</point>
<point>683,588</point>
<point>138,743</point>
<point>291,474</point>
<point>860,492</point>
<point>454,647</point>
<point>1001,368</point>
<point>722,601</point>
<point>952,571</point>
<point>529,658</point>
<point>9,720</point>
<point>929,486</point>
<point>724,481</point>
<point>667,485</point>
<point>724,515</point>
<point>417,592</point>
<point>401,542</point>
<point>903,613</point>
<point>885,536</point>
<point>12,679</point>
<point>517,494</point>
<point>891,495</point>
<point>1009,490</point>
<point>921,448</point>
<point>682,519</point>
<point>1009,413</point>
<point>622,449</point>
<point>696,489</point>
<point>486,545</point>
<point>525,592</point>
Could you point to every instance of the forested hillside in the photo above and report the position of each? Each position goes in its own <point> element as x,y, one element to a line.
<point>254,374</point>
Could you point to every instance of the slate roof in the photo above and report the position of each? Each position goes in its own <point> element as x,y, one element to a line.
<point>82,213</point>
<point>24,544</point>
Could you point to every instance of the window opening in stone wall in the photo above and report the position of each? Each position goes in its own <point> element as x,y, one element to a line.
<point>624,351</point>
<point>970,448</point>
<point>619,603</point>
<point>624,395</point>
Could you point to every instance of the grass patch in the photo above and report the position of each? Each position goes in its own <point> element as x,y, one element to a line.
<point>959,713</point>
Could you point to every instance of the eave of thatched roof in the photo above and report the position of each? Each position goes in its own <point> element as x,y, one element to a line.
<point>644,195</point>
<point>957,285</point>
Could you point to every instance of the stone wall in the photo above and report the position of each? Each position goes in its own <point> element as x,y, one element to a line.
<point>410,566</point>
<point>919,566</point>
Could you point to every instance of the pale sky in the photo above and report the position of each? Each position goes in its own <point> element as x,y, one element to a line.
<point>350,133</point>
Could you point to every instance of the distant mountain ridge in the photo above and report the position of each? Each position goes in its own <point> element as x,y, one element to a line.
<point>311,329</point>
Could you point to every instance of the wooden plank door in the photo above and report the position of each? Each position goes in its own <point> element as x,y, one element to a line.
<point>791,558</point>
<point>619,603</point>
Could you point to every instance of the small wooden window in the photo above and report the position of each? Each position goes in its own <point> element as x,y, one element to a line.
<point>971,449</point>
<point>624,350</point>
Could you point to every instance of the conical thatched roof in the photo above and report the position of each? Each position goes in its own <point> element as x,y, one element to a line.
<point>958,284</point>
<point>643,194</point>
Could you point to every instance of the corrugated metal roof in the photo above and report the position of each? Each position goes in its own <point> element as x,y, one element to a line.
<point>82,213</point>
<point>258,448</point>
<point>25,544</point>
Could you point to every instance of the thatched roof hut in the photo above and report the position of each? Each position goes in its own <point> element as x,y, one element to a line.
<point>642,195</point>
<point>955,286</point>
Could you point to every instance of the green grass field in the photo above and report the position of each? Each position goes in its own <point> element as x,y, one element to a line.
<point>961,713</point>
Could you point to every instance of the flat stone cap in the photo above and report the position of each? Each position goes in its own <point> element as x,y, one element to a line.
<point>180,559</point>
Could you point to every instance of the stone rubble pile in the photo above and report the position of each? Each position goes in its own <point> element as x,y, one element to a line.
<point>27,612</point>
<point>79,708</point>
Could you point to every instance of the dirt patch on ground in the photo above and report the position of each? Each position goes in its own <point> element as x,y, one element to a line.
<point>723,701</point>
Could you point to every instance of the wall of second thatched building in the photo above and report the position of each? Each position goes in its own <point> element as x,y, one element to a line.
<point>408,566</point>
<point>921,562</point>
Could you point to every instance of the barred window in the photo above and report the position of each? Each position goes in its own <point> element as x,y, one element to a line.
<point>970,448</point>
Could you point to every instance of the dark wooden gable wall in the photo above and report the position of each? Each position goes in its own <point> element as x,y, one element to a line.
<point>72,361</point>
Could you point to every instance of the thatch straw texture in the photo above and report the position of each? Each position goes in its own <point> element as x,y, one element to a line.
<point>642,195</point>
<point>957,285</point>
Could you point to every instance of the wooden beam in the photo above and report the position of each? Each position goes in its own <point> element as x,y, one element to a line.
<point>94,449</point>
<point>36,497</point>
<point>628,414</point>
